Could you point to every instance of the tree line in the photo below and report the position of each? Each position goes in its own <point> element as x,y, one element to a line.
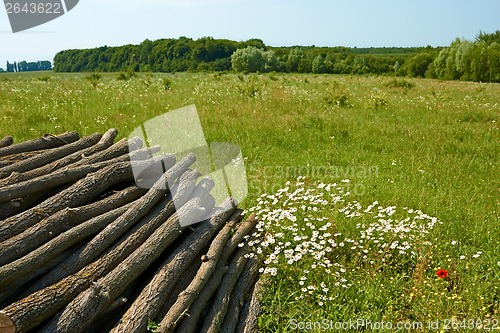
<point>477,60</point>
<point>24,66</point>
<point>209,54</point>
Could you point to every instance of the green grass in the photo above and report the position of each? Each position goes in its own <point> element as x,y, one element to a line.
<point>424,144</point>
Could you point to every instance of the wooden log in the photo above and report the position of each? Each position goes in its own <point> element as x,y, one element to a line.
<point>32,238</point>
<point>45,142</point>
<point>149,302</point>
<point>17,206</point>
<point>70,174</point>
<point>189,322</point>
<point>18,272</point>
<point>13,294</point>
<point>180,285</point>
<point>240,294</point>
<point>60,177</point>
<point>248,321</point>
<point>218,308</point>
<point>183,189</point>
<point>11,159</point>
<point>188,296</point>
<point>39,305</point>
<point>105,142</point>
<point>21,204</point>
<point>76,195</point>
<point>50,155</point>
<point>118,149</point>
<point>88,305</point>
<point>6,141</point>
<point>124,246</point>
<point>114,230</point>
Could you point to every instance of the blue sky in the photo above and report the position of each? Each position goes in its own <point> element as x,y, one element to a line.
<point>360,23</point>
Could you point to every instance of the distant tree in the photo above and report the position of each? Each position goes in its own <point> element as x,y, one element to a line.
<point>488,38</point>
<point>10,67</point>
<point>255,42</point>
<point>295,57</point>
<point>396,67</point>
<point>271,61</point>
<point>494,62</point>
<point>318,65</point>
<point>145,51</point>
<point>249,59</point>
<point>417,65</point>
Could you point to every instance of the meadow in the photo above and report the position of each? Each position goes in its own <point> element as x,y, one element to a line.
<point>366,187</point>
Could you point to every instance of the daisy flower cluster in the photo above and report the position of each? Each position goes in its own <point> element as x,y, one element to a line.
<point>299,240</point>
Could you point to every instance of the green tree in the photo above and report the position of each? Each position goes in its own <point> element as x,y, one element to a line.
<point>493,62</point>
<point>295,57</point>
<point>271,61</point>
<point>249,59</point>
<point>417,65</point>
<point>318,65</point>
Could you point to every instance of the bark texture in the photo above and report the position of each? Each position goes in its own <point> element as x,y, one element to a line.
<point>97,236</point>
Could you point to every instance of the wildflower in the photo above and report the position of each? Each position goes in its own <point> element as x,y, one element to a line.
<point>477,255</point>
<point>442,273</point>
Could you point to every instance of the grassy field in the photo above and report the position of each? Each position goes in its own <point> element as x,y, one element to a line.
<point>365,186</point>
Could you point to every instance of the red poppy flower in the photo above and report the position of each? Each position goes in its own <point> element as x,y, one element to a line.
<point>442,273</point>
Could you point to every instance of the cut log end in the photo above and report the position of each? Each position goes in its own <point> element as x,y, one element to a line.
<point>6,324</point>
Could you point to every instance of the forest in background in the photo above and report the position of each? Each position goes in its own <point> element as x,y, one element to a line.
<point>24,66</point>
<point>477,60</point>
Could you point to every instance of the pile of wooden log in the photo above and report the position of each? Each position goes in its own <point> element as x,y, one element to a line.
<point>84,248</point>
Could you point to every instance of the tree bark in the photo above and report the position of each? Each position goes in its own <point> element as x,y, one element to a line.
<point>189,322</point>
<point>55,179</point>
<point>49,228</point>
<point>76,195</point>
<point>39,305</point>
<point>248,321</point>
<point>149,302</point>
<point>5,142</point>
<point>105,142</point>
<point>18,272</point>
<point>180,285</point>
<point>50,155</point>
<point>88,305</point>
<point>113,231</point>
<point>218,309</point>
<point>188,296</point>
<point>131,240</point>
<point>46,142</point>
<point>239,294</point>
<point>13,293</point>
<point>120,148</point>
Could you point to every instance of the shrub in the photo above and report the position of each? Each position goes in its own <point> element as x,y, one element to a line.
<point>250,87</point>
<point>94,79</point>
<point>377,100</point>
<point>249,59</point>
<point>44,78</point>
<point>167,83</point>
<point>341,101</point>
<point>400,83</point>
<point>124,76</point>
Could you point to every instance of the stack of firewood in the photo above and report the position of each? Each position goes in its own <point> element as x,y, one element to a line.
<point>85,248</point>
